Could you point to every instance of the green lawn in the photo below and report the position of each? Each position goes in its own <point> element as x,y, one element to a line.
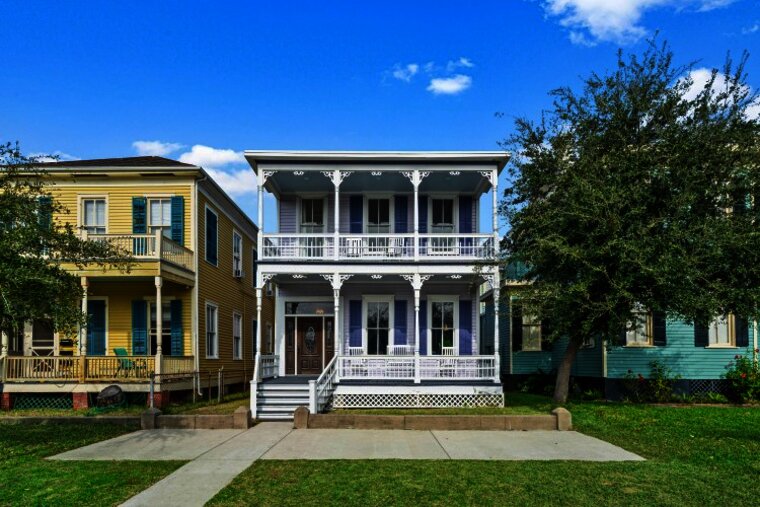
<point>696,456</point>
<point>28,479</point>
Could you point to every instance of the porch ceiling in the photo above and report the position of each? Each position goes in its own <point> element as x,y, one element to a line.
<point>369,279</point>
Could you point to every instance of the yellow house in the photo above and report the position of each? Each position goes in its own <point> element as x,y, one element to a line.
<point>184,313</point>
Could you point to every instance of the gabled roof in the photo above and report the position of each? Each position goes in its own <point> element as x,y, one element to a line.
<point>118,162</point>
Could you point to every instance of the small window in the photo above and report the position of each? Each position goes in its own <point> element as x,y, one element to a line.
<point>719,332</point>
<point>531,329</point>
<point>237,336</point>
<point>212,336</point>
<point>94,215</point>
<point>378,216</point>
<point>638,333</point>
<point>443,215</point>
<point>237,254</point>
<point>212,235</point>
<point>160,216</point>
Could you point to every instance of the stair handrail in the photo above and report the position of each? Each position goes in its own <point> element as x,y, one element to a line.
<point>321,390</point>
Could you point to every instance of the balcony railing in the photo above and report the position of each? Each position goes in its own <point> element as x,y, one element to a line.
<point>148,247</point>
<point>90,368</point>
<point>369,247</point>
<point>424,368</point>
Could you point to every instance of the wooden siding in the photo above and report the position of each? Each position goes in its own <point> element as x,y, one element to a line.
<point>119,310</point>
<point>679,353</point>
<point>288,214</point>
<point>118,197</point>
<point>216,284</point>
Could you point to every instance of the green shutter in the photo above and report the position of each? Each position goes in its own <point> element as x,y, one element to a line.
<point>211,237</point>
<point>701,335</point>
<point>139,215</point>
<point>659,328</point>
<point>139,327</point>
<point>45,212</point>
<point>742,331</point>
<point>176,324</point>
<point>178,219</point>
<point>516,327</point>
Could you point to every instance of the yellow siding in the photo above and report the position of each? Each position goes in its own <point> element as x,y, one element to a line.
<point>119,200</point>
<point>119,310</point>
<point>216,284</point>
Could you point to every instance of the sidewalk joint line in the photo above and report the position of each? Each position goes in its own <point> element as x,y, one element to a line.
<point>440,444</point>
<point>274,444</point>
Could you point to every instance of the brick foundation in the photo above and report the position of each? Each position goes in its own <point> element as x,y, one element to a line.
<point>81,401</point>
<point>6,401</point>
<point>160,399</point>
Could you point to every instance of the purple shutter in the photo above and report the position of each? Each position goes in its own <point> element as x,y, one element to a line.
<point>465,327</point>
<point>399,322</point>
<point>423,327</point>
<point>355,323</point>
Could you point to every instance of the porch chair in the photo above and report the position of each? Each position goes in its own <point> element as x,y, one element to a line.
<point>123,364</point>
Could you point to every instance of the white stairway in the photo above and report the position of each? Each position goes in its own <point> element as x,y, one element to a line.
<point>278,401</point>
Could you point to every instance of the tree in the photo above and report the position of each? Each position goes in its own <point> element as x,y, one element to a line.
<point>34,247</point>
<point>637,193</point>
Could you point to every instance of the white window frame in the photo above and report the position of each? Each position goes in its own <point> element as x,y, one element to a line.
<point>299,211</point>
<point>148,214</point>
<point>442,299</point>
<point>237,335</point>
<point>391,212</point>
<point>205,236</point>
<point>237,257</point>
<point>454,212</point>
<point>166,309</point>
<point>81,217</point>
<point>633,337</point>
<point>730,321</point>
<point>215,354</point>
<point>391,319</point>
<point>535,323</point>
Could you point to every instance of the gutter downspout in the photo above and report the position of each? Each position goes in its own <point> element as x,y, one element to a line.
<point>194,297</point>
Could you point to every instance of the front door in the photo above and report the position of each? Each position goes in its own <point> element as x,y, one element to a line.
<point>96,327</point>
<point>309,345</point>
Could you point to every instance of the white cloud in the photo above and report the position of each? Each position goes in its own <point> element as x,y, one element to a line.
<point>406,72</point>
<point>461,62</point>
<point>56,156</point>
<point>155,148</point>
<point>751,29</point>
<point>449,85</point>
<point>614,20</point>
<point>701,77</point>
<point>236,182</point>
<point>211,158</point>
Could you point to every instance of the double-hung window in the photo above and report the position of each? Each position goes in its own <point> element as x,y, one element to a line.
<point>638,332</point>
<point>531,332</point>
<point>442,327</point>
<point>312,216</point>
<point>378,216</point>
<point>378,325</point>
<point>237,254</point>
<point>237,336</point>
<point>94,216</point>
<point>442,216</point>
<point>719,332</point>
<point>212,335</point>
<point>160,216</point>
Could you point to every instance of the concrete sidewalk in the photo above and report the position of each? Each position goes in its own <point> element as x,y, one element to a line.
<point>220,455</point>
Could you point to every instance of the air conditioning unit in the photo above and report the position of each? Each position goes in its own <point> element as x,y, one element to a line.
<point>238,273</point>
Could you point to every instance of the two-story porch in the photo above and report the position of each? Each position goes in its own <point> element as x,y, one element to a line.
<point>377,260</point>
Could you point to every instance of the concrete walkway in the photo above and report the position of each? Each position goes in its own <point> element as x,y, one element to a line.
<point>220,455</point>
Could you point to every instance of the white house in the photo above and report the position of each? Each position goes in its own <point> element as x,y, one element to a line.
<point>377,264</point>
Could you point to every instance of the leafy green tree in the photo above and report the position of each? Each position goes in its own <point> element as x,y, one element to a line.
<point>637,192</point>
<point>34,247</point>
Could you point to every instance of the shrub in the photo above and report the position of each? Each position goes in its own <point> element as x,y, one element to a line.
<point>744,377</point>
<point>658,387</point>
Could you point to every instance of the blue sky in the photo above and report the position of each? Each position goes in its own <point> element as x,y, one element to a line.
<point>202,81</point>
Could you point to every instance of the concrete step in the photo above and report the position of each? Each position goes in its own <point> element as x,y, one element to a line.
<point>283,402</point>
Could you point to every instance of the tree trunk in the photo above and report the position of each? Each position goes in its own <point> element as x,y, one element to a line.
<point>562,386</point>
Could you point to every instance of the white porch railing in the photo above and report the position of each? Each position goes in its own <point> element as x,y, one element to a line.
<point>270,365</point>
<point>457,367</point>
<point>148,247</point>
<point>352,247</point>
<point>402,367</point>
<point>321,390</point>
<point>376,368</point>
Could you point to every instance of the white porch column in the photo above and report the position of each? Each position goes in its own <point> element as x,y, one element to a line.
<point>416,183</point>
<point>417,280</point>
<point>496,306</point>
<point>159,319</point>
<point>336,282</point>
<point>83,328</point>
<point>260,205</point>
<point>4,348</point>
<point>336,219</point>
<point>336,321</point>
<point>259,293</point>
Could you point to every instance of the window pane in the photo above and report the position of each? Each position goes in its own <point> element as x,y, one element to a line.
<point>372,344</point>
<point>372,212</point>
<point>437,318</point>
<point>372,315</point>
<point>384,211</point>
<point>155,212</point>
<point>100,213</point>
<point>383,315</point>
<point>448,338</point>
<point>448,315</point>
<point>166,212</point>
<point>382,340</point>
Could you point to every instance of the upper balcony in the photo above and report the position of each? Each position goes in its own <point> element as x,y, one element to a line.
<point>379,206</point>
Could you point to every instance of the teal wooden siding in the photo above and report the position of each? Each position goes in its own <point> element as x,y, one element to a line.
<point>679,353</point>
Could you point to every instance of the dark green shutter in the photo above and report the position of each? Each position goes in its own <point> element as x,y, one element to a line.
<point>211,237</point>
<point>742,332</point>
<point>659,329</point>
<point>516,328</point>
<point>139,218</point>
<point>178,219</point>
<point>546,330</point>
<point>175,308</point>
<point>701,336</point>
<point>45,212</point>
<point>139,327</point>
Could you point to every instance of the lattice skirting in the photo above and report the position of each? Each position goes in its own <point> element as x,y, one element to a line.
<point>415,400</point>
<point>42,400</point>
